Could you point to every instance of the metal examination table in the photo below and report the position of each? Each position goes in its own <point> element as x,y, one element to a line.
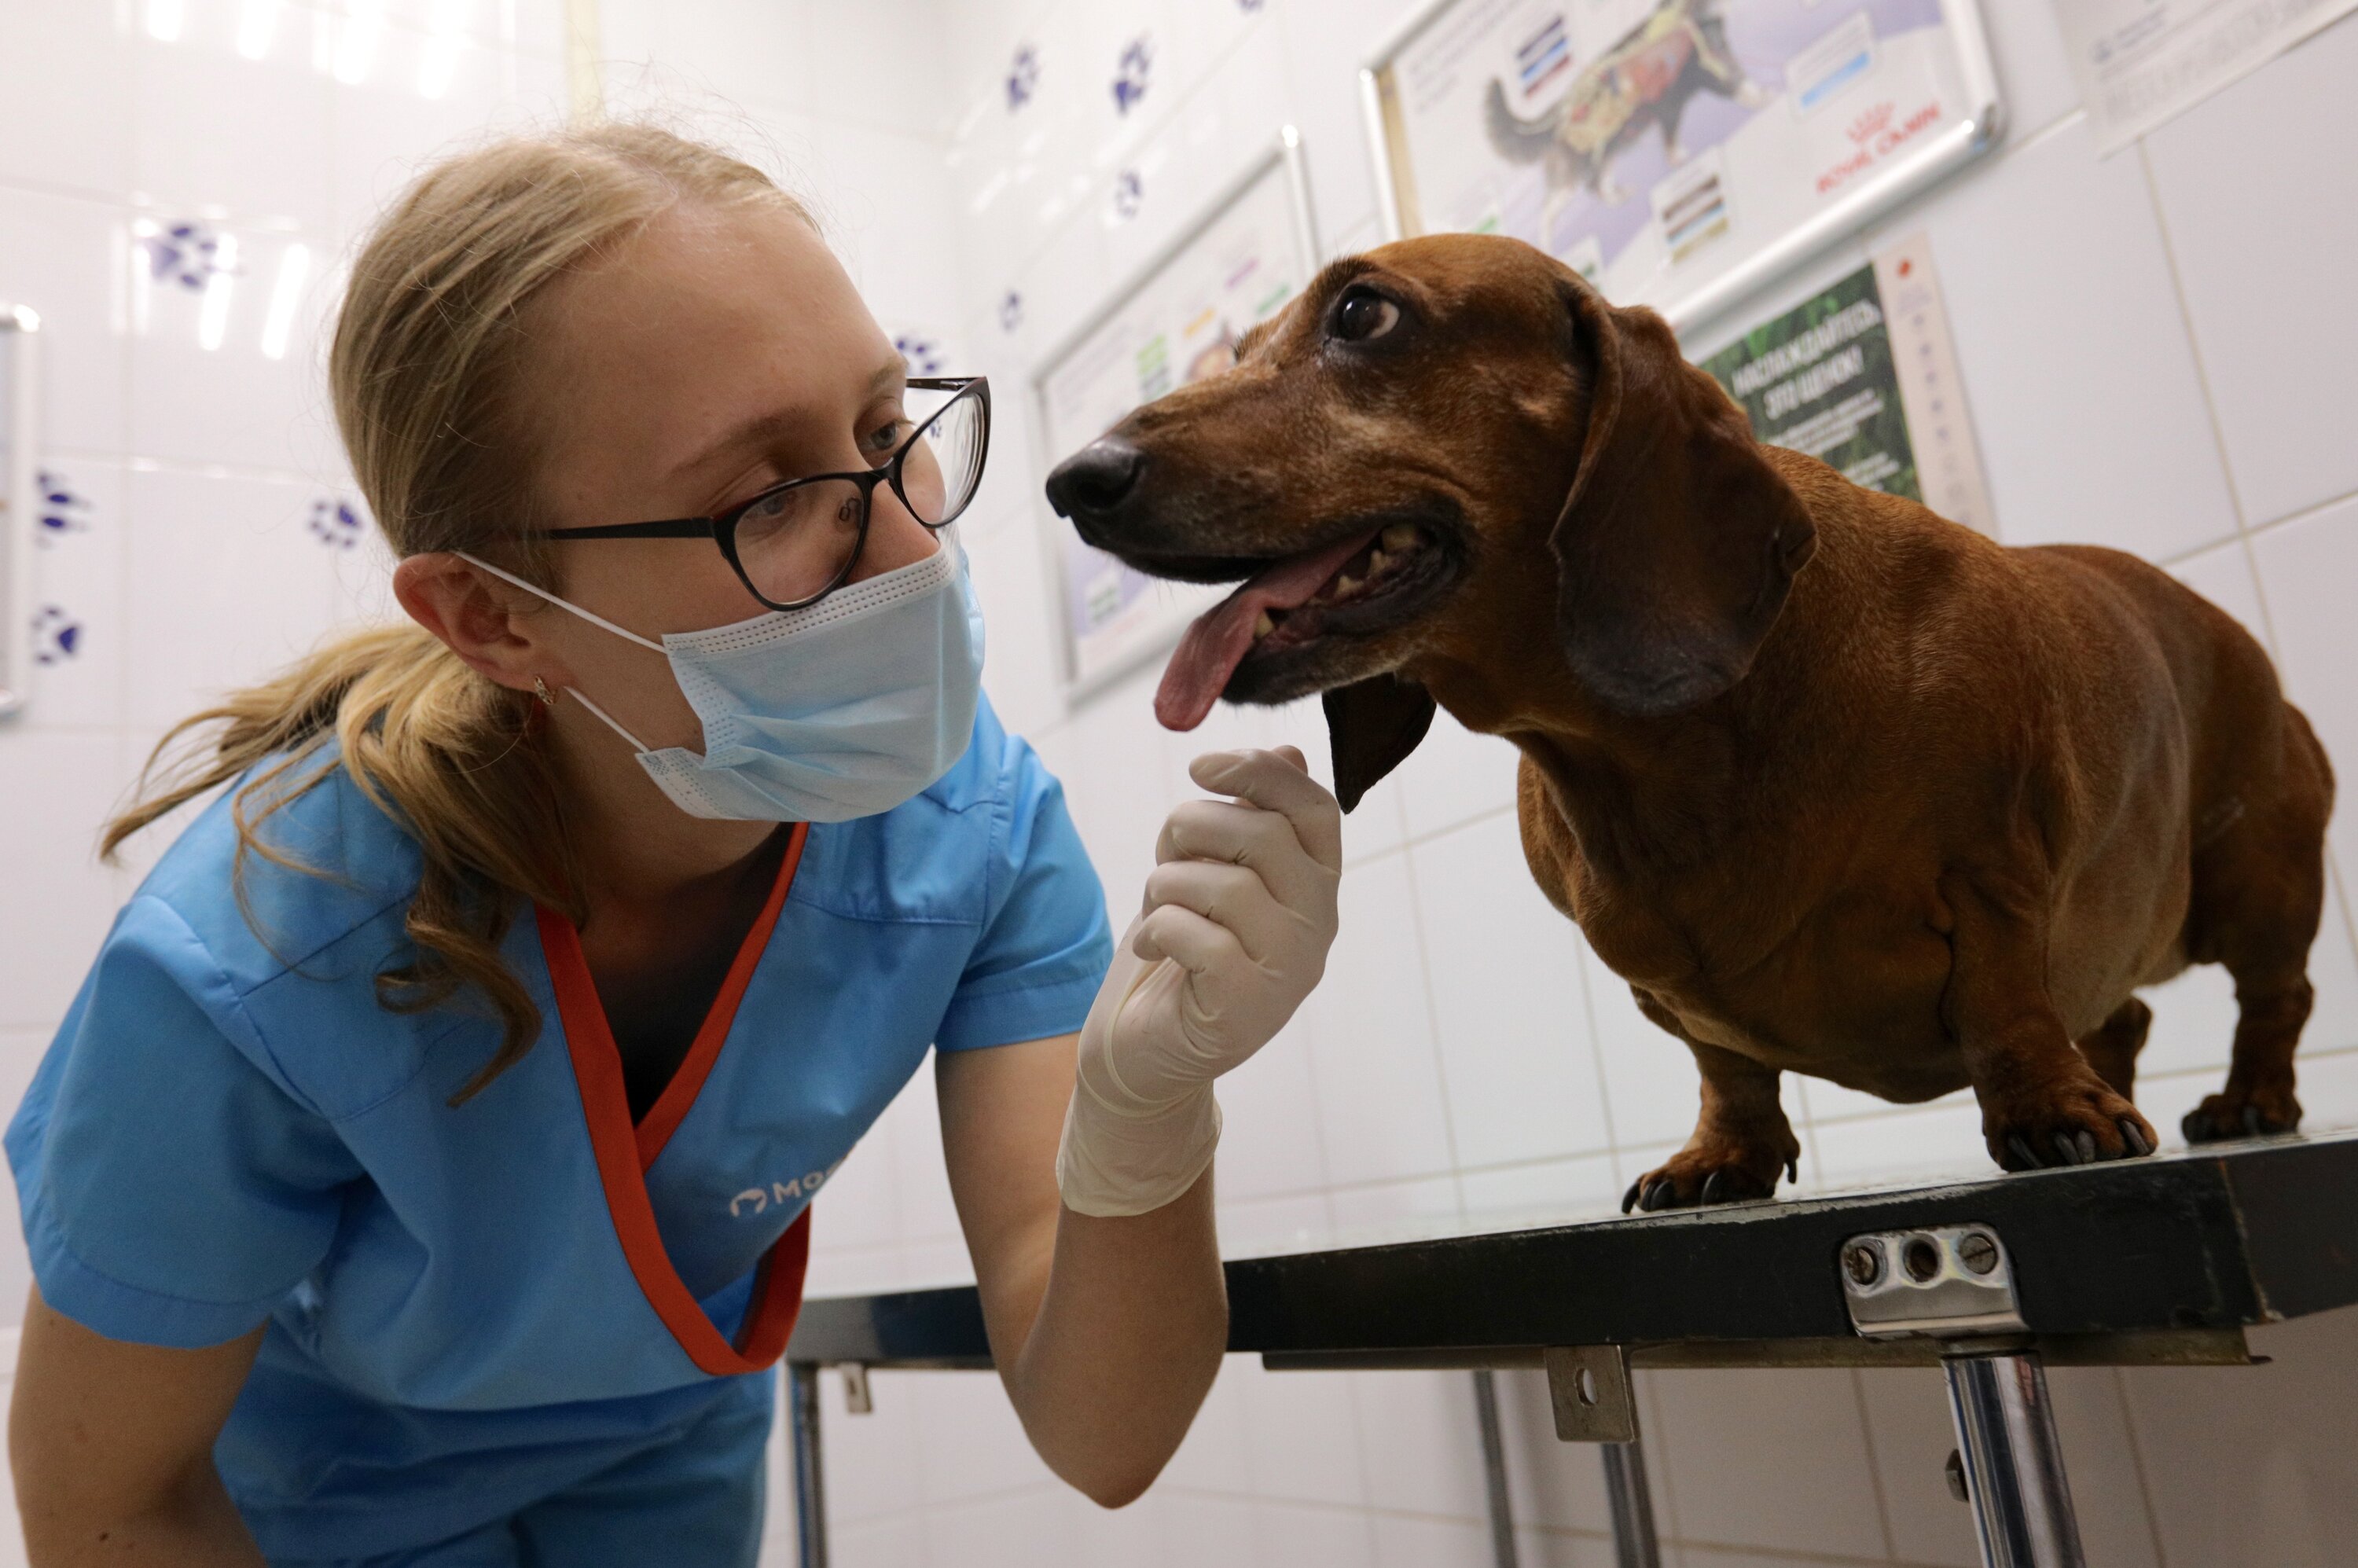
<point>2158,1261</point>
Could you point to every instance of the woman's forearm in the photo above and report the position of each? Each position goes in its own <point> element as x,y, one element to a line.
<point>1126,1343</point>
<point>197,1525</point>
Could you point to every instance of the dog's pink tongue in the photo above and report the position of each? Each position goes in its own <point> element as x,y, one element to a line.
<point>1220,638</point>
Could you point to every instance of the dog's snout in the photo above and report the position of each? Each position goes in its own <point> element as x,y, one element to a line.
<point>1095,480</point>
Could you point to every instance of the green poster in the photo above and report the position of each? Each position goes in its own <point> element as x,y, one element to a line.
<point>1819,379</point>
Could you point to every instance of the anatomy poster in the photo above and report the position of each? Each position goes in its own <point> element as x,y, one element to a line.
<point>1863,376</point>
<point>1172,325</point>
<point>1676,152</point>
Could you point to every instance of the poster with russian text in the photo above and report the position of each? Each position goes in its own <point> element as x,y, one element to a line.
<point>1863,377</point>
<point>1676,151</point>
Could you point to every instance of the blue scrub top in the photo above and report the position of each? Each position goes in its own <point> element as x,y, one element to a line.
<point>229,1129</point>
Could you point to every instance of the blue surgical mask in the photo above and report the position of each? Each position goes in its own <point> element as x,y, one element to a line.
<point>845,709</point>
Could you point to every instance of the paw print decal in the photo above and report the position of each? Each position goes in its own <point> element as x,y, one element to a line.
<point>187,253</point>
<point>1010,311</point>
<point>1023,77</point>
<point>62,510</point>
<point>1129,194</point>
<point>57,636</point>
<point>1134,72</point>
<point>335,524</point>
<point>923,354</point>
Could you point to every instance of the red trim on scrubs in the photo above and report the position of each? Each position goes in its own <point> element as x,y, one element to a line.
<point>625,1152</point>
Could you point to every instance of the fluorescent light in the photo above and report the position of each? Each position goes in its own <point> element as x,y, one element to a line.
<point>257,20</point>
<point>356,48</point>
<point>212,314</point>
<point>294,266</point>
<point>164,19</point>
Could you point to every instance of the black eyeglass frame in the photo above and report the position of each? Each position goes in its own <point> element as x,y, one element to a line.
<point>722,529</point>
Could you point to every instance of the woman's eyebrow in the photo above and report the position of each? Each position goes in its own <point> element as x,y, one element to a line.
<point>889,377</point>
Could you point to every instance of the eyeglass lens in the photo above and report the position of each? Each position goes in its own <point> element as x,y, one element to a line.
<point>942,465</point>
<point>799,540</point>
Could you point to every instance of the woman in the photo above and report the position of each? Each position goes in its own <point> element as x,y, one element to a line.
<point>422,1174</point>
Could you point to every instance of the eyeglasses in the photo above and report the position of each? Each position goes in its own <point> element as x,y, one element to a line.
<point>795,543</point>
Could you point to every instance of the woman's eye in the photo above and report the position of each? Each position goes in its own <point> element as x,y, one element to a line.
<point>887,436</point>
<point>1364,315</point>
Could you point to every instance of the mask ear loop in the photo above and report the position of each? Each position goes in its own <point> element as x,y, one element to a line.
<point>540,687</point>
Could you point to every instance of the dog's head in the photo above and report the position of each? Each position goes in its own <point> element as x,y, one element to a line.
<point>1448,450</point>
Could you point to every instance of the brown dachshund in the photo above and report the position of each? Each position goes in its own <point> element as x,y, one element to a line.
<point>1839,787</point>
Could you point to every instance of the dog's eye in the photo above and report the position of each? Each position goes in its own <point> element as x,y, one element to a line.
<point>1364,314</point>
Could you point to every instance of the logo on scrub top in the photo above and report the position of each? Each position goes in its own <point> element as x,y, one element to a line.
<point>753,1200</point>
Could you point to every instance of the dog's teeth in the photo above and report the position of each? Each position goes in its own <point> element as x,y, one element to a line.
<point>1263,627</point>
<point>1345,586</point>
<point>1377,562</point>
<point>1399,536</point>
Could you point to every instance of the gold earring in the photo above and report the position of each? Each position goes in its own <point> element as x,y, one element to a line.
<point>540,689</point>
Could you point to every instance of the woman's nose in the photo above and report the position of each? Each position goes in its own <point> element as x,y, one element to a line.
<point>895,537</point>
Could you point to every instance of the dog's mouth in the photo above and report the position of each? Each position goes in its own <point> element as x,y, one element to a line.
<point>1377,575</point>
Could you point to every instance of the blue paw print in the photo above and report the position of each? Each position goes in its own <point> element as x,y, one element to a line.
<point>1129,194</point>
<point>62,511</point>
<point>1133,73</point>
<point>1023,77</point>
<point>1010,311</point>
<point>57,636</point>
<point>335,524</point>
<point>923,354</point>
<point>187,254</point>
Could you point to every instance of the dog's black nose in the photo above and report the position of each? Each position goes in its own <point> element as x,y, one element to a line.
<point>1095,480</point>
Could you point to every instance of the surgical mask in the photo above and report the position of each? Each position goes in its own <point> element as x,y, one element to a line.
<point>845,709</point>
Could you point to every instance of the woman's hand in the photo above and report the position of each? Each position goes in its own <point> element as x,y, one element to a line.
<point>1238,917</point>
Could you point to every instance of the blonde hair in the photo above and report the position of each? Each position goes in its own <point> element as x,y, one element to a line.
<point>426,357</point>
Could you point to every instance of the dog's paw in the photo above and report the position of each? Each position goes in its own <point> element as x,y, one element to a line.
<point>2255,1113</point>
<point>1719,1174</point>
<point>2077,1123</point>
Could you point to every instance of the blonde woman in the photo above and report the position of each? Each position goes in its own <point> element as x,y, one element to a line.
<point>423,1171</point>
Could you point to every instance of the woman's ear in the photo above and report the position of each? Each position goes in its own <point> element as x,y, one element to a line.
<point>1678,542</point>
<point>477,616</point>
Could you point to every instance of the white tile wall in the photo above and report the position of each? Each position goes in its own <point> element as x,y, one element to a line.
<point>2152,344</point>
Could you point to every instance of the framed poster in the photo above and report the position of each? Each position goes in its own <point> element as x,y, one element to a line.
<point>1863,375</point>
<point>1172,322</point>
<point>1675,153</point>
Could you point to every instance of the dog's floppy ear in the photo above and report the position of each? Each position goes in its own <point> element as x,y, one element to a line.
<point>1373,725</point>
<point>1678,541</point>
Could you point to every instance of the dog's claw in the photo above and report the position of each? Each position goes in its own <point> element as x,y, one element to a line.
<point>2025,1160</point>
<point>2065,1150</point>
<point>1793,1172</point>
<point>2252,1127</point>
<point>1629,1198</point>
<point>2087,1141</point>
<point>1714,1188</point>
<point>1661,1194</point>
<point>2133,1139</point>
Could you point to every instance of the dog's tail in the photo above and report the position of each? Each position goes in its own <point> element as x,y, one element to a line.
<point>1512,137</point>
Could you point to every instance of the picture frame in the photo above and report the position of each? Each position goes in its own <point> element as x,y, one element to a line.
<point>1744,179</point>
<point>1247,252</point>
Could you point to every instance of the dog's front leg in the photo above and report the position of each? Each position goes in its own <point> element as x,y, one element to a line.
<point>2042,1103</point>
<point>1741,1139</point>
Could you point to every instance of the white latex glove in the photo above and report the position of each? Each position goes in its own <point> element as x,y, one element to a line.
<point>1238,917</point>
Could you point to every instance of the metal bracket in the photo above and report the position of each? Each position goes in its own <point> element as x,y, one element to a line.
<point>1943,1282</point>
<point>857,1399</point>
<point>1588,1386</point>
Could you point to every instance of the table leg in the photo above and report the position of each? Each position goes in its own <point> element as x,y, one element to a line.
<point>2013,1465</point>
<point>810,1485</point>
<point>1503,1551</point>
<point>1634,1542</point>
